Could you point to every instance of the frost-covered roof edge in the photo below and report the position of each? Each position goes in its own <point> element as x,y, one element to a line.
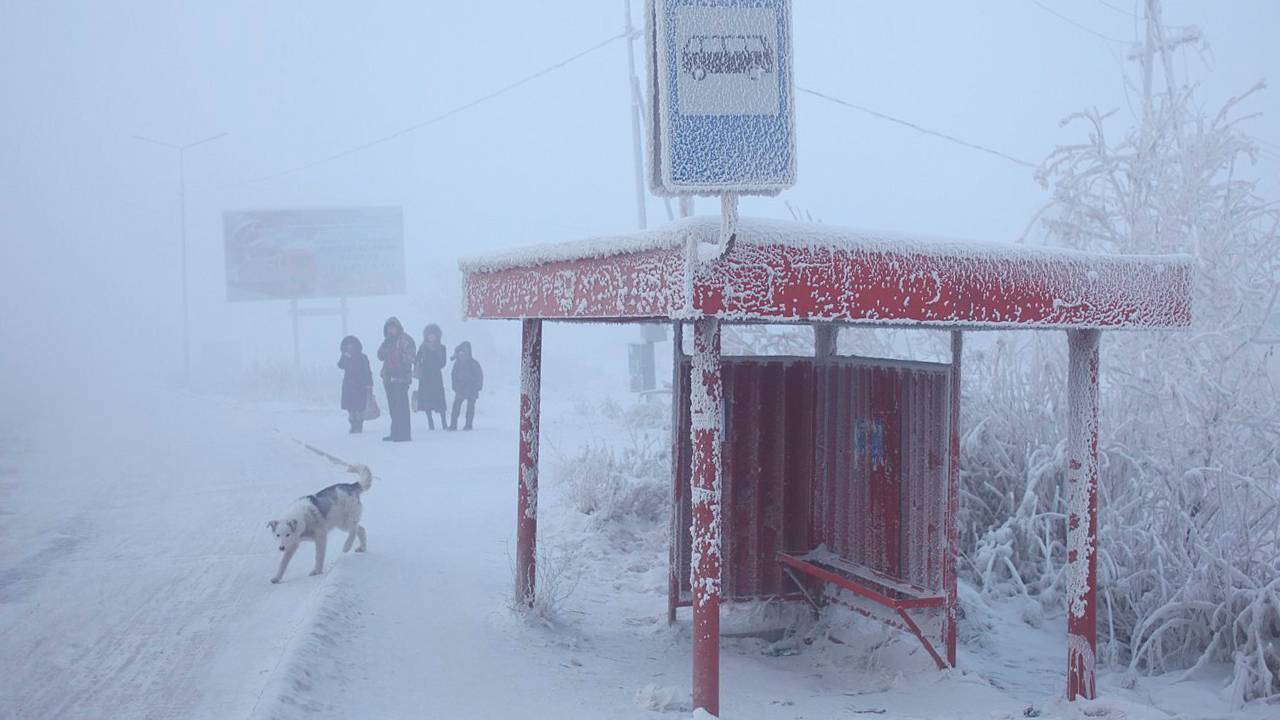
<point>668,236</point>
<point>782,232</point>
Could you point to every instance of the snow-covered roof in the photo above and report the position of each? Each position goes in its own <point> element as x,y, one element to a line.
<point>791,271</point>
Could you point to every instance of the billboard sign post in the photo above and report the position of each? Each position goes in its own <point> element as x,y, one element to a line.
<point>723,117</point>
<point>314,253</point>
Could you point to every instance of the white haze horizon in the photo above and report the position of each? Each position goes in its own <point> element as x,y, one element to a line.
<point>89,216</point>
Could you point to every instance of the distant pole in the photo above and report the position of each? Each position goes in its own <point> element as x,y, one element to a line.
<point>186,302</point>
<point>638,153</point>
<point>182,234</point>
<point>293,315</point>
<point>1148,50</point>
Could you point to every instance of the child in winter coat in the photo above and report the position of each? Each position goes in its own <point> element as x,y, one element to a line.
<point>428,368</point>
<point>468,380</point>
<point>357,381</point>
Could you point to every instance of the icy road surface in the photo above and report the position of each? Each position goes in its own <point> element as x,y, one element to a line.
<point>134,567</point>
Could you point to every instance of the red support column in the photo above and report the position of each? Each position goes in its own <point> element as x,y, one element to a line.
<point>952,512</point>
<point>1082,518</point>
<point>679,403</point>
<point>527,504</point>
<point>706,406</point>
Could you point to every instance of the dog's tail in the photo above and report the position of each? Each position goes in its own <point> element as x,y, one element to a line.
<point>366,477</point>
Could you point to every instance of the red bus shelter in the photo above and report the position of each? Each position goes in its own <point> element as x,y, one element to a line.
<point>828,478</point>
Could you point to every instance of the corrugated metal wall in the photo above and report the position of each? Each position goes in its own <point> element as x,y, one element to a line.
<point>864,472</point>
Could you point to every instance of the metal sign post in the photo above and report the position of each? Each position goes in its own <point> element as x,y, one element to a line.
<point>295,312</point>
<point>722,123</point>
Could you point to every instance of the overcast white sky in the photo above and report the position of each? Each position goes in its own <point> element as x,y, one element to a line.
<point>88,215</point>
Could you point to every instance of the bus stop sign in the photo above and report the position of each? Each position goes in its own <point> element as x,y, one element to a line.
<point>723,116</point>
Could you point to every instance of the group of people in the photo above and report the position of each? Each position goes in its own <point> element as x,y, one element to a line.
<point>402,362</point>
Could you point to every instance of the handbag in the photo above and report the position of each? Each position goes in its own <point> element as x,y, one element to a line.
<point>413,401</point>
<point>371,409</point>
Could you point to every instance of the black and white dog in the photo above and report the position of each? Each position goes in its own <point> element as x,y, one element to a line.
<point>312,517</point>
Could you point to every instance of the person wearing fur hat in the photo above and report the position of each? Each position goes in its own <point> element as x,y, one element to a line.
<point>357,381</point>
<point>468,380</point>
<point>429,368</point>
<point>396,353</point>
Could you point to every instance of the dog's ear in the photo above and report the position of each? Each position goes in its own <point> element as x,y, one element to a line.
<point>272,525</point>
<point>293,524</point>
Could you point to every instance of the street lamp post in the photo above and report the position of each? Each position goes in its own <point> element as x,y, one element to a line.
<point>182,214</point>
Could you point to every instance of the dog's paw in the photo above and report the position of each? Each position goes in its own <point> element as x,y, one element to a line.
<point>317,572</point>
<point>360,549</point>
<point>275,581</point>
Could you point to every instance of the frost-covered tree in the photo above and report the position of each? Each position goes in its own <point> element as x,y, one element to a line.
<point>1190,520</point>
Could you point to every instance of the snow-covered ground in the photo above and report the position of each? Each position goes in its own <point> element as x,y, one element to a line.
<point>134,566</point>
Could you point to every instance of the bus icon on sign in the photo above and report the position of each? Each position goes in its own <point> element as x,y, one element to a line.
<point>748,55</point>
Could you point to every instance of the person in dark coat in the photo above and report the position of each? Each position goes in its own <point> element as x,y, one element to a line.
<point>429,368</point>
<point>396,353</point>
<point>357,381</point>
<point>468,380</point>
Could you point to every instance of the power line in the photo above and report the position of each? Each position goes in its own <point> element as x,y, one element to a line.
<point>1078,25</point>
<point>1122,11</point>
<point>1136,16</point>
<point>424,123</point>
<point>917,128</point>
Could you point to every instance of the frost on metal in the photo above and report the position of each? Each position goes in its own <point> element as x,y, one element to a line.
<point>530,404</point>
<point>1082,660</point>
<point>639,274</point>
<point>799,271</point>
<point>790,271</point>
<point>1082,470</point>
<point>705,403</point>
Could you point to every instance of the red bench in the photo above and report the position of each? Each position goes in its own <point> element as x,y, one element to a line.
<point>870,584</point>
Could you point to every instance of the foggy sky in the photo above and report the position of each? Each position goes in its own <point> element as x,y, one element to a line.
<point>88,215</point>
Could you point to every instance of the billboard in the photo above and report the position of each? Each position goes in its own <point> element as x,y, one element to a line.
<point>724,115</point>
<point>314,253</point>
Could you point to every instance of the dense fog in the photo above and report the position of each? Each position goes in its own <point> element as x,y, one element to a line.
<point>133,493</point>
<point>90,214</point>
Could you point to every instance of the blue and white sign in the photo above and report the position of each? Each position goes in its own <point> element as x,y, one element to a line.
<point>723,118</point>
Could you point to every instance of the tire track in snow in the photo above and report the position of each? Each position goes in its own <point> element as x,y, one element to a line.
<point>159,606</point>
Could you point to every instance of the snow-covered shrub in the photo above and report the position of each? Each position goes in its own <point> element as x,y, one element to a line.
<point>610,484</point>
<point>1012,514</point>
<point>1190,476</point>
<point>648,415</point>
<point>663,698</point>
<point>556,578</point>
<point>766,340</point>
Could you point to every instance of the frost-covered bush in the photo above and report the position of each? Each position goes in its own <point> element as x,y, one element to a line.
<point>611,484</point>
<point>556,580</point>
<point>1190,476</point>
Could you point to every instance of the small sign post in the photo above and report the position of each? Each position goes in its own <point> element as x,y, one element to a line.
<point>723,115</point>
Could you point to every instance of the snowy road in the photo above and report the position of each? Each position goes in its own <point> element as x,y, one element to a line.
<point>133,584</point>
<point>134,565</point>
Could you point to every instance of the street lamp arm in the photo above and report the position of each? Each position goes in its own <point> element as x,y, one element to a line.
<point>157,142</point>
<point>171,146</point>
<point>211,138</point>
